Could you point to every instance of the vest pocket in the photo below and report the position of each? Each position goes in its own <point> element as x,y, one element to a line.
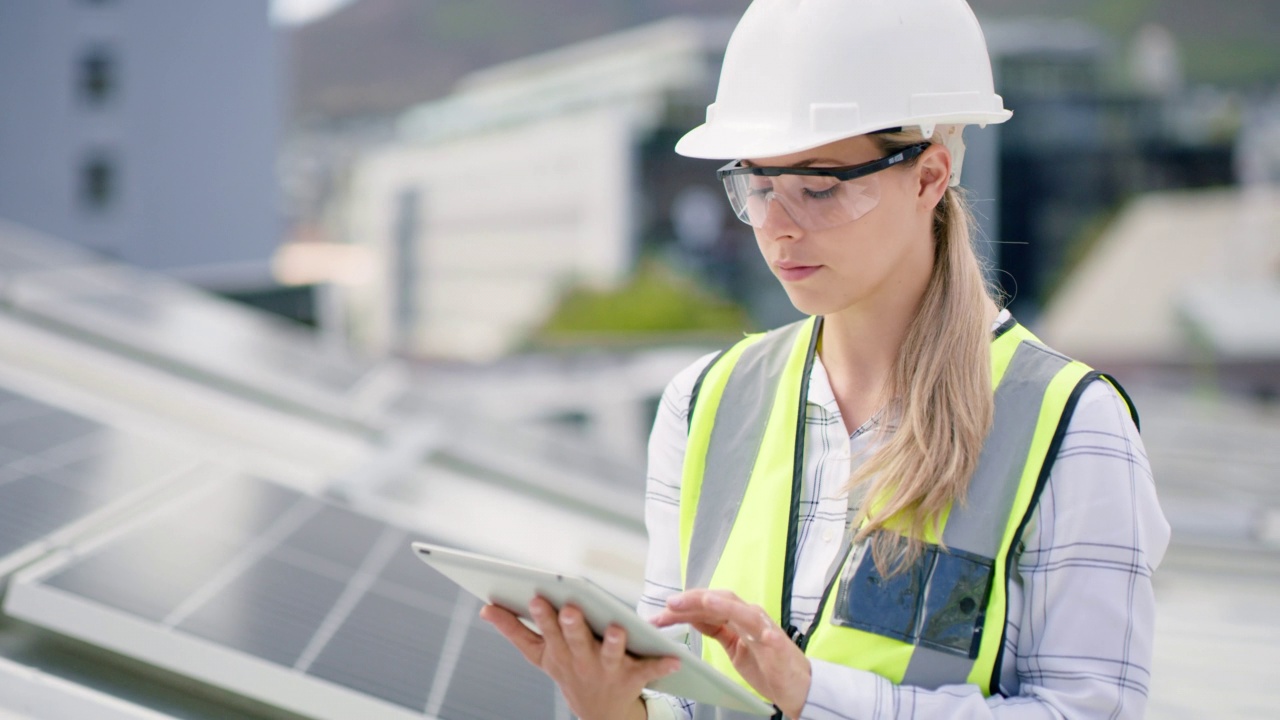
<point>938,601</point>
<point>955,602</point>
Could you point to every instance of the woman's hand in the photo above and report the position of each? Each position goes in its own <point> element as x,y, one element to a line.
<point>759,649</point>
<point>598,679</point>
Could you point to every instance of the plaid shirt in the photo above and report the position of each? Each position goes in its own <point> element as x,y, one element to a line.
<point>1081,613</point>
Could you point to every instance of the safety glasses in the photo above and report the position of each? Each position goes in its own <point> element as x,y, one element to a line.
<point>814,198</point>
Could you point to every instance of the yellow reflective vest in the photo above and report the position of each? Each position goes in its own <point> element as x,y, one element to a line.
<point>939,622</point>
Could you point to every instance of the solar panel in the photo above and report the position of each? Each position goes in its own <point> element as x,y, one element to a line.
<point>23,251</point>
<point>60,471</point>
<point>193,333</point>
<point>289,600</point>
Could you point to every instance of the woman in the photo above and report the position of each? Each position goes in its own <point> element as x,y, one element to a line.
<point>905,506</point>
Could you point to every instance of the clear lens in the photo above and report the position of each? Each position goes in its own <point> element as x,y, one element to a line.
<point>812,202</point>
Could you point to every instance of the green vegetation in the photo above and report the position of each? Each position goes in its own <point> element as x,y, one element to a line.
<point>1119,16</point>
<point>1230,43</point>
<point>658,303</point>
<point>1230,61</point>
<point>475,21</point>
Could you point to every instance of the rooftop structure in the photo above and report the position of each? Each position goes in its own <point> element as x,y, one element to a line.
<point>1180,280</point>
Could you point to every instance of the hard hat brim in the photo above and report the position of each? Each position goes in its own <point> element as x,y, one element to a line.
<point>720,142</point>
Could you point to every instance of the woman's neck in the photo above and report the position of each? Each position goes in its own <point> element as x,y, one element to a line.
<point>859,347</point>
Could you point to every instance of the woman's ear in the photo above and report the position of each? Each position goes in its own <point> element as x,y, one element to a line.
<point>935,175</point>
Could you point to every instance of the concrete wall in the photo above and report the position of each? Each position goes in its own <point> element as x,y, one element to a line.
<point>184,130</point>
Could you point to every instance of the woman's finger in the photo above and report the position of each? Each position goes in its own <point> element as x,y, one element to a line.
<point>719,615</point>
<point>579,638</point>
<point>749,622</point>
<point>706,607</point>
<point>746,620</point>
<point>613,649</point>
<point>548,622</point>
<point>524,639</point>
<point>720,633</point>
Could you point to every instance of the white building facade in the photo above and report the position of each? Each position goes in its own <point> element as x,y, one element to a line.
<point>523,181</point>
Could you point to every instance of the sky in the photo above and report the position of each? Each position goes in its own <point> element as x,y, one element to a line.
<point>296,12</point>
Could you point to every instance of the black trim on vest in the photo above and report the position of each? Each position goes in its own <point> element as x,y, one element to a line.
<point>1050,457</point>
<point>1004,327</point>
<point>697,387</point>
<point>1133,409</point>
<point>797,483</point>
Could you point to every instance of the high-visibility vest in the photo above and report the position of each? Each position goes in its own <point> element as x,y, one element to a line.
<point>939,622</point>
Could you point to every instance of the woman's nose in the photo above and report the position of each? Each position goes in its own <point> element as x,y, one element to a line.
<point>778,222</point>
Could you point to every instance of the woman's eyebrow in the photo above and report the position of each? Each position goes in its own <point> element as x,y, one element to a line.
<point>802,163</point>
<point>815,161</point>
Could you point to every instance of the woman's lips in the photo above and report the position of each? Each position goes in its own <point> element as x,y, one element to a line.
<point>795,273</point>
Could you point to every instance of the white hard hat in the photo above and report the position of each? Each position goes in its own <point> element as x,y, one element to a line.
<point>798,74</point>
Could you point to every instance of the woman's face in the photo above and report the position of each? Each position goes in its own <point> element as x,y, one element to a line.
<point>885,255</point>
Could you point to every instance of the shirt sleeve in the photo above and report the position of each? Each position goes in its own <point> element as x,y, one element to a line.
<point>1082,644</point>
<point>662,514</point>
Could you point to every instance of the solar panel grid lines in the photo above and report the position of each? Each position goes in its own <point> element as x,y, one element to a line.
<point>391,541</point>
<point>464,613</point>
<point>285,525</point>
<point>204,660</point>
<point>324,612</point>
<point>62,473</point>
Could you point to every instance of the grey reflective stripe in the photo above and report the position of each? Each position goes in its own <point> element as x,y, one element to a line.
<point>978,525</point>
<point>711,712</point>
<point>931,669</point>
<point>735,440</point>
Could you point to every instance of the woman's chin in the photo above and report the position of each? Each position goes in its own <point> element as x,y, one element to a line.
<point>811,303</point>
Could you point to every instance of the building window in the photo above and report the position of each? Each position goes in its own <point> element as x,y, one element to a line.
<point>407,225</point>
<point>98,77</point>
<point>99,181</point>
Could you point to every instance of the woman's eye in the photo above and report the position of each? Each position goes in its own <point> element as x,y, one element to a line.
<point>821,194</point>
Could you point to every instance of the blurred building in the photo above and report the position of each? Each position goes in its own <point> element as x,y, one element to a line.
<point>553,170</point>
<point>597,121</point>
<point>146,130</point>
<point>531,176</point>
<point>1089,131</point>
<point>1182,289</point>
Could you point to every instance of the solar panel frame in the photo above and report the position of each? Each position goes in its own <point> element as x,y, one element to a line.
<point>397,583</point>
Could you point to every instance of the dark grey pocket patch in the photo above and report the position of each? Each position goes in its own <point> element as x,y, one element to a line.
<point>937,602</point>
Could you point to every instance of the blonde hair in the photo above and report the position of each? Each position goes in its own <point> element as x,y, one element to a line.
<point>939,389</point>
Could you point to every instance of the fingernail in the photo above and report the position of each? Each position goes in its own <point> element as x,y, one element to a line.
<point>676,602</point>
<point>713,603</point>
<point>567,619</point>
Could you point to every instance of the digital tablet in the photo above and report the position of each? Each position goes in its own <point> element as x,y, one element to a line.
<point>512,586</point>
